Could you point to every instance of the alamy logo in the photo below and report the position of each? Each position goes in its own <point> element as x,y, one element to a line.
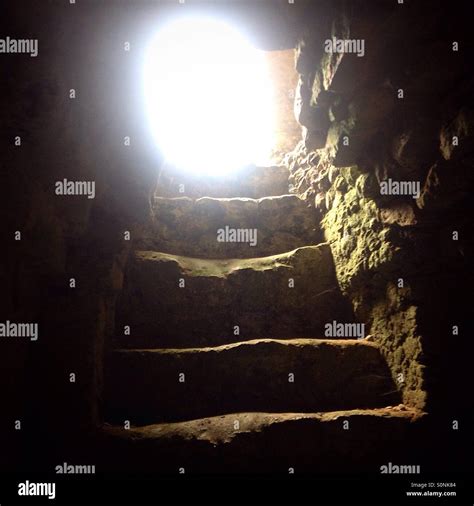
<point>35,489</point>
<point>66,187</point>
<point>74,469</point>
<point>14,46</point>
<point>228,234</point>
<point>348,330</point>
<point>10,329</point>
<point>399,469</point>
<point>355,46</point>
<point>391,187</point>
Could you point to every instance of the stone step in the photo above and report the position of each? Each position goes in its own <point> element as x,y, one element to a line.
<point>354,441</point>
<point>297,375</point>
<point>251,181</point>
<point>230,228</point>
<point>174,301</point>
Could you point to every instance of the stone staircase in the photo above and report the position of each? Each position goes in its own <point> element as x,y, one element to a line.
<point>218,363</point>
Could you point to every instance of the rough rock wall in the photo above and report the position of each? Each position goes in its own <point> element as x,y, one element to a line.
<point>399,109</point>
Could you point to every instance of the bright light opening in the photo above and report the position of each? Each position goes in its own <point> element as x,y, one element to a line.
<point>208,97</point>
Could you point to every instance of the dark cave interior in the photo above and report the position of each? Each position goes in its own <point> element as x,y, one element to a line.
<point>121,341</point>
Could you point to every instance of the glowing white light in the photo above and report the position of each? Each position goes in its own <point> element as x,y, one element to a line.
<point>208,96</point>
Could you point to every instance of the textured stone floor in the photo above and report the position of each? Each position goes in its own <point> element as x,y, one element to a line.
<point>176,301</point>
<point>259,375</point>
<point>339,441</point>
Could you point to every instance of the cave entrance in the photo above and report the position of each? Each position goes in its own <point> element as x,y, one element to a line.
<point>216,103</point>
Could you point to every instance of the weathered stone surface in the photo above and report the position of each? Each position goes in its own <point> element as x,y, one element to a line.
<point>415,149</point>
<point>190,227</point>
<point>254,294</point>
<point>313,118</point>
<point>395,318</point>
<point>301,106</point>
<point>387,121</point>
<point>267,443</point>
<point>251,182</point>
<point>359,243</point>
<point>314,136</point>
<point>341,143</point>
<point>144,385</point>
<point>356,123</point>
<point>447,185</point>
<point>366,232</point>
<point>456,137</point>
<point>399,213</point>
